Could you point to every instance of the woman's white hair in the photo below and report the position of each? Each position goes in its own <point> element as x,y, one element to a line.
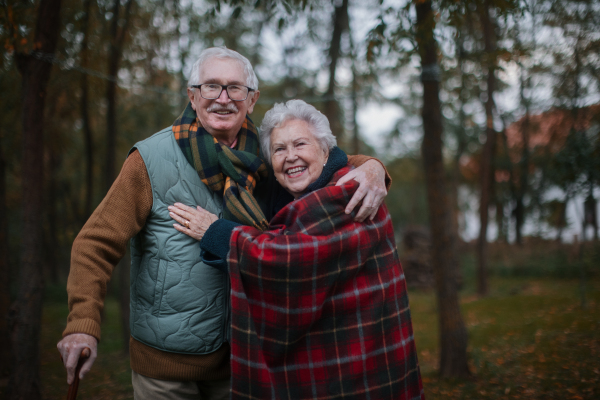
<point>300,110</point>
<point>222,53</point>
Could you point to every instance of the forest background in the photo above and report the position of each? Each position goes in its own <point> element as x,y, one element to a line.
<point>486,113</point>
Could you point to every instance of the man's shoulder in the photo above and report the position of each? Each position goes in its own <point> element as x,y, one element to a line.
<point>163,132</point>
<point>149,140</point>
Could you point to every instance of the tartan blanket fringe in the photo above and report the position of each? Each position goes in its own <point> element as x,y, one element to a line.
<point>319,306</point>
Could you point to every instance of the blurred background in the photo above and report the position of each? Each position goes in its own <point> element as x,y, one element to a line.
<point>518,153</point>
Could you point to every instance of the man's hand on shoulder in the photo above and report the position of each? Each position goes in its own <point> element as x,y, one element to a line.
<point>70,347</point>
<point>371,190</point>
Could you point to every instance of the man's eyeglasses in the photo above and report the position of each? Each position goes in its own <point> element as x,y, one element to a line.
<point>212,91</point>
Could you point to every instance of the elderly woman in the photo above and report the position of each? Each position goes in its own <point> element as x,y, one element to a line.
<point>319,303</point>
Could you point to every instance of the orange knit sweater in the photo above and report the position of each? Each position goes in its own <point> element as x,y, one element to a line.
<point>99,247</point>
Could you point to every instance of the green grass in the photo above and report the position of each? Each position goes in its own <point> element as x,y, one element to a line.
<point>529,339</point>
<point>538,259</point>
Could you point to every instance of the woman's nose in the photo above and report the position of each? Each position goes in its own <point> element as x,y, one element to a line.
<point>291,156</point>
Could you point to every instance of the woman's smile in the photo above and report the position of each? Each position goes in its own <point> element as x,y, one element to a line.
<point>294,172</point>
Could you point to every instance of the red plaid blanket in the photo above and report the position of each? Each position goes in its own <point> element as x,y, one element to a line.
<point>319,306</point>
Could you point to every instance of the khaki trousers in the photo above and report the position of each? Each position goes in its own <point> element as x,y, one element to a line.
<point>145,388</point>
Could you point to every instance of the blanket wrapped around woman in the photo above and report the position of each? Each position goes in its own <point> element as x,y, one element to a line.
<point>319,305</point>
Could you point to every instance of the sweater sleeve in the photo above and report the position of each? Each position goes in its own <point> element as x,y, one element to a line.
<point>102,242</point>
<point>215,243</point>
<point>358,160</point>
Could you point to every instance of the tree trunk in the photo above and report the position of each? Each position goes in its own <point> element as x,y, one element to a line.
<point>563,217</point>
<point>590,216</point>
<point>355,131</point>
<point>85,117</point>
<point>114,60</point>
<point>453,333</point>
<point>111,100</point>
<point>524,164</point>
<point>5,346</point>
<point>332,107</point>
<point>511,175</point>
<point>52,246</point>
<point>51,164</point>
<point>487,157</point>
<point>25,380</point>
<point>500,222</point>
<point>117,38</point>
<point>453,190</point>
<point>184,54</point>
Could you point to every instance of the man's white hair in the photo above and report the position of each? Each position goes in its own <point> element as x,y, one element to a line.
<point>292,110</point>
<point>222,53</point>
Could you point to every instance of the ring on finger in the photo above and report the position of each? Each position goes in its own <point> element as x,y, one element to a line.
<point>187,224</point>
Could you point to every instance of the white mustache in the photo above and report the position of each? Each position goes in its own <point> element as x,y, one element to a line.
<point>219,107</point>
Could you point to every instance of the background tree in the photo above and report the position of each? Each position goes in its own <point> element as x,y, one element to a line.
<point>118,34</point>
<point>579,77</point>
<point>10,174</point>
<point>332,107</point>
<point>486,170</point>
<point>85,114</point>
<point>453,333</point>
<point>520,185</point>
<point>35,70</point>
<point>5,342</point>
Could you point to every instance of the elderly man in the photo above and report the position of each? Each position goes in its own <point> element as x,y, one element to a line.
<point>179,306</point>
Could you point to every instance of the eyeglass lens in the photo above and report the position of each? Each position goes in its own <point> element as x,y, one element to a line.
<point>213,91</point>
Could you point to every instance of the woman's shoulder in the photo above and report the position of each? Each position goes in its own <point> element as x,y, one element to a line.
<point>330,193</point>
<point>339,174</point>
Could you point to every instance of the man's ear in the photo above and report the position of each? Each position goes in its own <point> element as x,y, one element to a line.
<point>191,94</point>
<point>253,101</point>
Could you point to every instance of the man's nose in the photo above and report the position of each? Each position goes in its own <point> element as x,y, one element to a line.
<point>224,97</point>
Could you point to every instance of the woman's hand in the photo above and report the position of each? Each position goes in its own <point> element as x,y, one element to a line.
<point>192,221</point>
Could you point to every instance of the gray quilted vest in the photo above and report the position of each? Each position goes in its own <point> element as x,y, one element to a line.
<point>178,304</point>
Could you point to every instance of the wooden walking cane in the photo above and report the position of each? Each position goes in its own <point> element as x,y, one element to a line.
<point>72,393</point>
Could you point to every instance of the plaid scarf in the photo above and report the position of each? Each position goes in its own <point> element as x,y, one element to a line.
<point>319,306</point>
<point>234,172</point>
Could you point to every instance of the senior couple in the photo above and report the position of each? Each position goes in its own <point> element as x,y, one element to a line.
<point>248,280</point>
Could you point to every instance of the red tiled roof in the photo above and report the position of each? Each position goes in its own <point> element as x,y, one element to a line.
<point>550,128</point>
<point>547,131</point>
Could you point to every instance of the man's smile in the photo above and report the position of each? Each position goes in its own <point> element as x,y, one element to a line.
<point>222,109</point>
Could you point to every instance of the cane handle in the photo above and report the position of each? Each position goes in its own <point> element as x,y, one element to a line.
<point>72,393</point>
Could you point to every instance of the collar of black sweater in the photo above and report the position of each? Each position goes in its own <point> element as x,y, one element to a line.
<point>336,161</point>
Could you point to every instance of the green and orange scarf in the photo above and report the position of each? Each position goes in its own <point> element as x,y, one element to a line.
<point>234,172</point>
